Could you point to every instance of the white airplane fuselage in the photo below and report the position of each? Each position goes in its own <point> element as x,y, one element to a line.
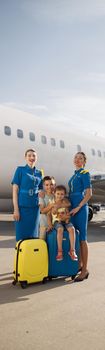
<point>53,159</point>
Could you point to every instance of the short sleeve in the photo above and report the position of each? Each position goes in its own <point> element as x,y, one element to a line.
<point>17,177</point>
<point>86,180</point>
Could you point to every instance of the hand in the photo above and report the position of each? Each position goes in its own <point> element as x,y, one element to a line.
<point>49,228</point>
<point>50,205</point>
<point>74,211</point>
<point>16,215</point>
<point>64,216</point>
<point>41,194</point>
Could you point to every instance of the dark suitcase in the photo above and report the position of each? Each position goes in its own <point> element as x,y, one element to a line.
<point>66,267</point>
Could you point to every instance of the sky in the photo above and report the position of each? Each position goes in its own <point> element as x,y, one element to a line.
<point>52,59</point>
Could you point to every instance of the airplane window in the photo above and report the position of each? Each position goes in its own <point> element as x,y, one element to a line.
<point>78,148</point>
<point>31,136</point>
<point>7,130</point>
<point>93,151</point>
<point>43,139</point>
<point>20,133</point>
<point>99,153</point>
<point>62,145</point>
<point>53,143</point>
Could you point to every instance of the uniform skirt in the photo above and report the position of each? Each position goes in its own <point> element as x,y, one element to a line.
<point>79,220</point>
<point>28,225</point>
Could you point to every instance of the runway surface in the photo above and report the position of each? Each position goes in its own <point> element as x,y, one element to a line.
<point>60,314</point>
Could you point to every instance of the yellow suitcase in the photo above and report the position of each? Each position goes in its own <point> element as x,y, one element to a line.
<point>31,262</point>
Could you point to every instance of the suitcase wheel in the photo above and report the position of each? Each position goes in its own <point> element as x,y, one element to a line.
<point>72,277</point>
<point>44,280</point>
<point>50,278</point>
<point>23,284</point>
<point>14,282</point>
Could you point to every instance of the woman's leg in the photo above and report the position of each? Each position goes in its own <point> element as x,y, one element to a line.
<point>84,255</point>
<point>83,241</point>
<point>80,221</point>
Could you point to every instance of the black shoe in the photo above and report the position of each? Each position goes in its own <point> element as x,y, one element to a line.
<point>80,279</point>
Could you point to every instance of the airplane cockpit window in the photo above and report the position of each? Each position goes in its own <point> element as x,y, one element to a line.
<point>53,143</point>
<point>93,152</point>
<point>43,139</point>
<point>31,136</point>
<point>7,130</point>
<point>20,133</point>
<point>99,153</point>
<point>78,148</point>
<point>62,145</point>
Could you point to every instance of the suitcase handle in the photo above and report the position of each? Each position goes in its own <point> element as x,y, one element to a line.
<point>36,250</point>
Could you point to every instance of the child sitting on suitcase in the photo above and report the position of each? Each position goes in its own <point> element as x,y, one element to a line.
<point>59,216</point>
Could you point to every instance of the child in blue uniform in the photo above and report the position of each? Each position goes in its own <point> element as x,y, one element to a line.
<point>79,195</point>
<point>27,181</point>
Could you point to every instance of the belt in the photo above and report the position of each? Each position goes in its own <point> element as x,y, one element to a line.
<point>30,192</point>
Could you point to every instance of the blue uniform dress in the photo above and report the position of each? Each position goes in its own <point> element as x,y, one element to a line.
<point>29,182</point>
<point>78,183</point>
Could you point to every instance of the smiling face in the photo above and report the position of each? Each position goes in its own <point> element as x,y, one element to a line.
<point>79,160</point>
<point>31,158</point>
<point>48,186</point>
<point>59,195</point>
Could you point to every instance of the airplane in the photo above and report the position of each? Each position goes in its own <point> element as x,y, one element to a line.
<point>55,144</point>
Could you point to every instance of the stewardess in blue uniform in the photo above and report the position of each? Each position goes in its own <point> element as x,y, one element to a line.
<point>27,181</point>
<point>80,191</point>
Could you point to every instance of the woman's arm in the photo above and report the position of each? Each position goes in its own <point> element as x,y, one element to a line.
<point>16,213</point>
<point>88,194</point>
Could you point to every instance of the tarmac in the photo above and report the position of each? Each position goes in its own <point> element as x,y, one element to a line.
<point>60,314</point>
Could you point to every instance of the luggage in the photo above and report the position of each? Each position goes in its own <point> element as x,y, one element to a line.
<point>66,267</point>
<point>31,261</point>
